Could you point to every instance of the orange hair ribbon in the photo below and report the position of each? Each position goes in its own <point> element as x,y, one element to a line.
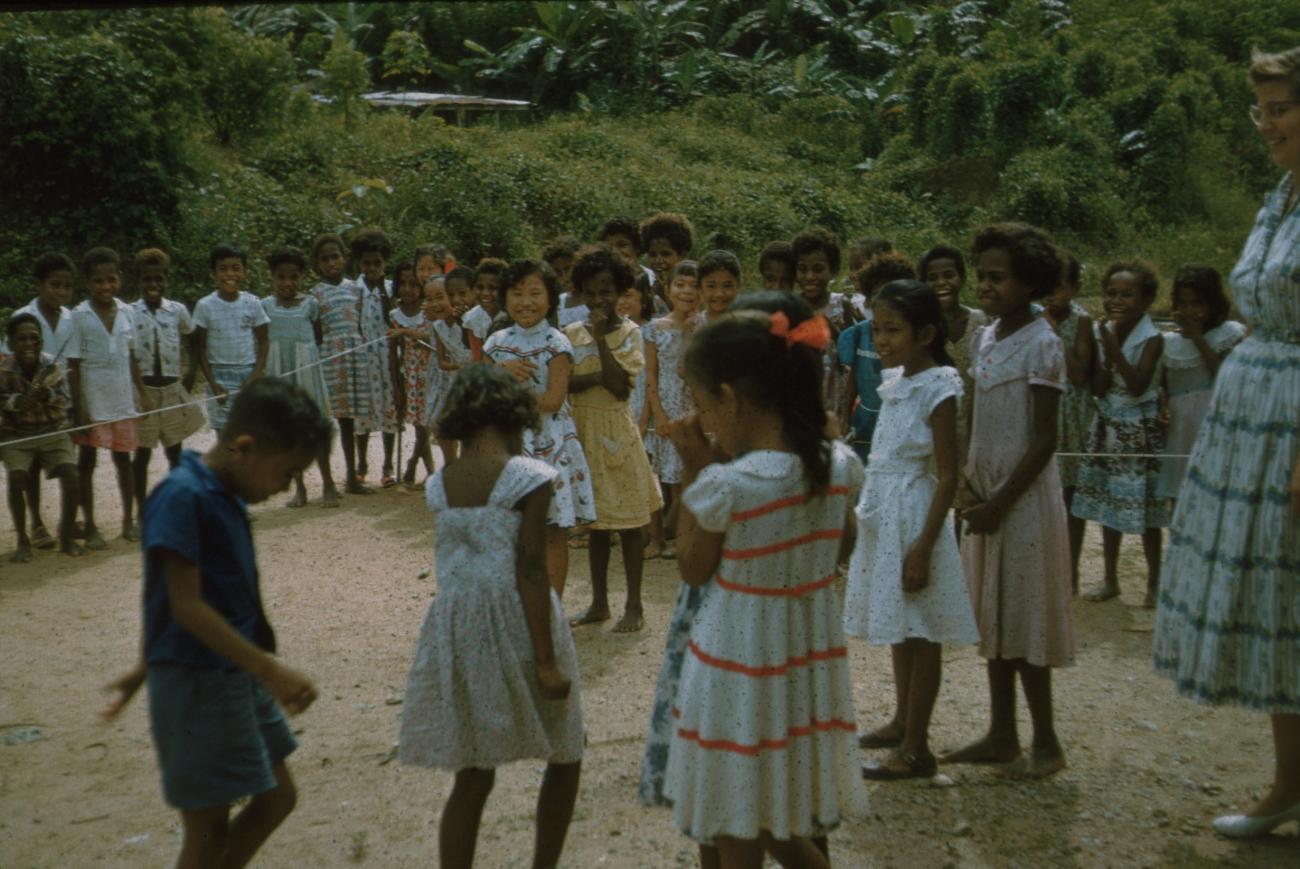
<point>814,333</point>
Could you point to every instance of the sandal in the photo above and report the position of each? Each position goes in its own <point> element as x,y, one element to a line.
<point>875,739</point>
<point>913,766</point>
<point>41,538</point>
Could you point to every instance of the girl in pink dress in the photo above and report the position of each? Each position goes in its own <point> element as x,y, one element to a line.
<point>1016,549</point>
<point>408,338</point>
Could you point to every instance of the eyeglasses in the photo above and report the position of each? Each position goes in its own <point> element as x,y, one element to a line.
<point>1273,110</point>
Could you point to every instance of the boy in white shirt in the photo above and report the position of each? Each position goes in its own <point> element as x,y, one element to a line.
<point>104,382</point>
<point>230,329</point>
<point>161,327</point>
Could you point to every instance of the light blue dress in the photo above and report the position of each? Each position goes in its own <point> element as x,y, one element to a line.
<point>1228,626</point>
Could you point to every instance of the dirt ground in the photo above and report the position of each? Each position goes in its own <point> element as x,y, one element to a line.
<point>1147,770</point>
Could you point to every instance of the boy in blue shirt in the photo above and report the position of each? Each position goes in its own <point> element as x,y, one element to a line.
<point>208,656</point>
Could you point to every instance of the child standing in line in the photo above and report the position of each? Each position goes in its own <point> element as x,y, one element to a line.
<point>1016,549</point>
<point>666,393</point>
<point>763,755</point>
<point>607,354</point>
<point>456,346</point>
<point>371,250</point>
<point>34,408</point>
<point>104,381</point>
<point>485,279</point>
<point>559,254</point>
<point>341,363</point>
<point>409,336</point>
<point>1120,494</point>
<point>216,688</point>
<point>1192,356</point>
<point>541,358</point>
<point>1074,326</point>
<point>776,266</point>
<point>667,239</point>
<point>817,262</point>
<point>430,260</point>
<point>437,307</point>
<point>718,282</point>
<point>294,355</point>
<point>906,588</point>
<point>161,326</point>
<point>54,275</point>
<point>495,625</point>
<point>230,327</point>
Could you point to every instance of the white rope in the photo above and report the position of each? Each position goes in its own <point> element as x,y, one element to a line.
<point>209,398</point>
<point>1125,455</point>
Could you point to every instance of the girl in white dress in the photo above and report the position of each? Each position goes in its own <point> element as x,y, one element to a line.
<point>906,588</point>
<point>763,756</point>
<point>495,677</point>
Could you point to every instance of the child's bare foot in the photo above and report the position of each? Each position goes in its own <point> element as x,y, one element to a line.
<point>72,548</point>
<point>670,550</point>
<point>631,622</point>
<point>593,615</point>
<point>22,554</point>
<point>330,498</point>
<point>357,486</point>
<point>94,540</point>
<point>653,549</point>
<point>1103,594</point>
<point>554,684</point>
<point>129,532</point>
<point>299,499</point>
<point>1034,765</point>
<point>41,538</point>
<point>888,736</point>
<point>990,749</point>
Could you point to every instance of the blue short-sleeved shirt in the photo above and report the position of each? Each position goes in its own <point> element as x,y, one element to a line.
<point>858,352</point>
<point>193,515</point>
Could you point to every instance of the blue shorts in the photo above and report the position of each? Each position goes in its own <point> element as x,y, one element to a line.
<point>218,735</point>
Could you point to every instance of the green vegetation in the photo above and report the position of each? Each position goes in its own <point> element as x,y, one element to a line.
<point>1121,126</point>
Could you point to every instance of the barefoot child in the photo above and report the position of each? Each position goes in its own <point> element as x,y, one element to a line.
<point>408,335</point>
<point>1074,326</point>
<point>1016,548</point>
<point>537,355</point>
<point>229,332</point>
<point>215,686</point>
<point>906,588</point>
<point>607,354</point>
<point>162,325</point>
<point>33,409</point>
<point>666,391</point>
<point>495,627</point>
<point>1192,356</point>
<point>371,250</point>
<point>1119,494</point>
<point>294,355</point>
<point>763,755</point>
<point>104,382</point>
<point>341,364</point>
<point>456,346</point>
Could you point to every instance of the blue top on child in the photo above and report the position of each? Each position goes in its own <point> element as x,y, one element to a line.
<point>858,352</point>
<point>193,515</point>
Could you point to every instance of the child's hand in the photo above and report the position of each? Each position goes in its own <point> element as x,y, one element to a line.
<point>916,570</point>
<point>601,321</point>
<point>218,392</point>
<point>1109,342</point>
<point>983,518</point>
<point>692,443</point>
<point>124,688</point>
<point>1191,327</point>
<point>291,689</point>
<point>554,684</point>
<point>520,369</point>
<point>661,420</point>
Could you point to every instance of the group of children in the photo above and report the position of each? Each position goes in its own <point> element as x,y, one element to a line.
<point>642,402</point>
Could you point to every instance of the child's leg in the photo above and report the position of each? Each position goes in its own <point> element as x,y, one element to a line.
<point>424,448</point>
<point>259,819</point>
<point>1110,540</point>
<point>1002,743</point>
<point>922,691</point>
<point>126,488</point>
<point>299,492</point>
<point>654,546</point>
<point>86,485</point>
<point>18,509</point>
<point>348,440</point>
<point>67,475</point>
<point>206,834</point>
<point>892,733</point>
<point>363,457</point>
<point>330,493</point>
<point>598,558</point>
<point>631,543</point>
<point>140,470</point>
<point>740,853</point>
<point>554,811</point>
<point>557,557</point>
<point>1076,528</point>
<point>1151,541</point>
<point>39,532</point>
<point>709,857</point>
<point>1286,775</point>
<point>797,852</point>
<point>173,454</point>
<point>672,497</point>
<point>388,439</point>
<point>458,830</point>
<point>1046,756</point>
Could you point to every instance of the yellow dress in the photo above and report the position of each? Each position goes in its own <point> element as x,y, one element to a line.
<point>625,489</point>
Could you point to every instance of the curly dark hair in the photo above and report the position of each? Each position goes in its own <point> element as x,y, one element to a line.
<point>522,268</point>
<point>596,258</point>
<point>621,226</point>
<point>814,239</point>
<point>485,395</point>
<point>99,256</point>
<point>881,269</point>
<point>1148,281</point>
<point>286,254</point>
<point>1034,258</point>
<point>565,245</point>
<point>320,242</point>
<point>1207,283</point>
<point>941,251</point>
<point>671,227</point>
<point>371,240</point>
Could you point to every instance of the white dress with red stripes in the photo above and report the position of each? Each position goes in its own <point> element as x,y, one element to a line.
<point>765,733</point>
